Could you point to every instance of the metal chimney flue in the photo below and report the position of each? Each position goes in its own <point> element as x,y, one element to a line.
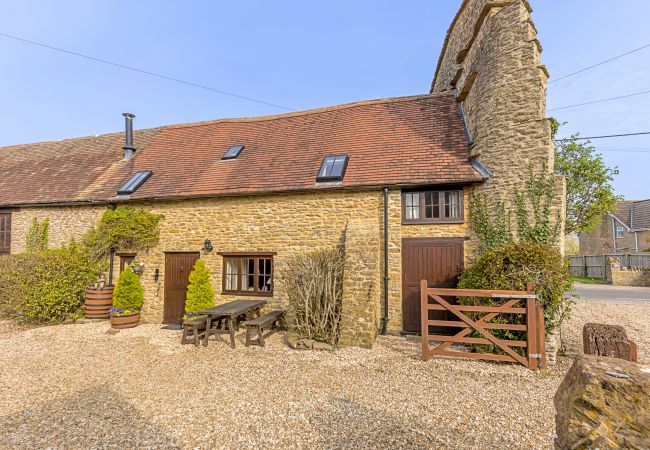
<point>129,150</point>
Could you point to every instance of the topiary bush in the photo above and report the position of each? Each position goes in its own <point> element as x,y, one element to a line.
<point>512,267</point>
<point>128,295</point>
<point>47,286</point>
<point>200,294</point>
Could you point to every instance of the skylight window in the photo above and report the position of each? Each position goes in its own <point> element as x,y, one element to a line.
<point>233,152</point>
<point>134,183</point>
<point>333,168</point>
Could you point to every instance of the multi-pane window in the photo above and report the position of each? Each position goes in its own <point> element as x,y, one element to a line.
<point>248,274</point>
<point>5,233</point>
<point>432,206</point>
<point>412,206</point>
<point>620,232</point>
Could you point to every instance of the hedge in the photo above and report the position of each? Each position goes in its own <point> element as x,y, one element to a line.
<point>47,286</point>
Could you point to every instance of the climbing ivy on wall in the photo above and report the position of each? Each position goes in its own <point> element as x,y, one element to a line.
<point>37,236</point>
<point>533,214</point>
<point>125,228</point>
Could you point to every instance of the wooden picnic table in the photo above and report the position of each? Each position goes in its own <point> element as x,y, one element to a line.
<point>231,312</point>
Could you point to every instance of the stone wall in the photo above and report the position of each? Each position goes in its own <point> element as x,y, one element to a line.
<point>491,58</point>
<point>66,223</point>
<point>630,276</point>
<point>283,223</point>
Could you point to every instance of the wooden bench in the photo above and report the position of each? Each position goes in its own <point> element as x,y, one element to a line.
<point>268,321</point>
<point>194,331</point>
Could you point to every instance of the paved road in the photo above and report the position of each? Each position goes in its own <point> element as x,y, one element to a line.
<point>607,292</point>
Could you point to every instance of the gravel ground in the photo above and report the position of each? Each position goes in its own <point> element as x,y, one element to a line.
<point>75,386</point>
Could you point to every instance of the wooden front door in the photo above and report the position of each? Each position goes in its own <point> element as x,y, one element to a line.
<point>177,276</point>
<point>439,261</point>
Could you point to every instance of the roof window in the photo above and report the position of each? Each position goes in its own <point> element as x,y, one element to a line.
<point>333,168</point>
<point>233,152</point>
<point>134,183</point>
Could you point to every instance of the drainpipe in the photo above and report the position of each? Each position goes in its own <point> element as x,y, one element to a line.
<point>384,324</point>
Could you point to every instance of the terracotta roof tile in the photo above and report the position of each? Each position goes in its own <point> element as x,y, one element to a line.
<point>401,141</point>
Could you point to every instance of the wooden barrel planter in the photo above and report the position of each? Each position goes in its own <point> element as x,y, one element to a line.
<point>129,321</point>
<point>98,302</point>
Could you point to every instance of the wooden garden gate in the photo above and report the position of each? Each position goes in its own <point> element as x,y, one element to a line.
<point>533,325</point>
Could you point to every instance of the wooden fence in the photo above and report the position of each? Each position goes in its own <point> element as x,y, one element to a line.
<point>594,266</point>
<point>534,325</point>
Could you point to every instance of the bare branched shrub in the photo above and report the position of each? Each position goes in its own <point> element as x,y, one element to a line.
<point>314,287</point>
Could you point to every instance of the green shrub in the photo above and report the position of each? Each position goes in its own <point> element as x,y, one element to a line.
<point>125,228</point>
<point>200,294</point>
<point>47,286</point>
<point>128,295</point>
<point>511,267</point>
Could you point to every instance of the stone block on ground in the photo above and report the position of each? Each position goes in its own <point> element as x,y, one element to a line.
<point>603,403</point>
<point>608,340</point>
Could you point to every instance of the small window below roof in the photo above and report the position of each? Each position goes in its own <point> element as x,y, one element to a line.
<point>134,183</point>
<point>233,152</point>
<point>333,168</point>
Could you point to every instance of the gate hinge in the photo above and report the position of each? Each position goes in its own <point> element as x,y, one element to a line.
<point>535,355</point>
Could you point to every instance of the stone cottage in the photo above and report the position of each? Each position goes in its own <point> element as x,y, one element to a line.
<point>625,230</point>
<point>388,180</point>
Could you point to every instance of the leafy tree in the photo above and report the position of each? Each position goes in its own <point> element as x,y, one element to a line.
<point>590,193</point>
<point>128,294</point>
<point>200,294</point>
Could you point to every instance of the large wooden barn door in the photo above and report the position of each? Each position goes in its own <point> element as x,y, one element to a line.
<point>177,272</point>
<point>439,261</point>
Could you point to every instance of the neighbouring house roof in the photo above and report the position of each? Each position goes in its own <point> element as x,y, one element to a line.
<point>634,214</point>
<point>641,215</point>
<point>402,141</point>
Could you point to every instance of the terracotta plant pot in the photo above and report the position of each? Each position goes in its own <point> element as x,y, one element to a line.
<point>129,321</point>
<point>97,302</point>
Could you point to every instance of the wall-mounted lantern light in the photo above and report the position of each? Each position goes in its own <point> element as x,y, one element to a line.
<point>156,275</point>
<point>207,246</point>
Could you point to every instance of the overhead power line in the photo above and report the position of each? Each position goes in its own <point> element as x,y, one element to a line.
<point>623,150</point>
<point>601,100</point>
<point>602,137</point>
<point>146,72</point>
<point>598,64</point>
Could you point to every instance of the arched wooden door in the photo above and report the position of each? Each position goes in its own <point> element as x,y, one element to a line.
<point>177,272</point>
<point>439,261</point>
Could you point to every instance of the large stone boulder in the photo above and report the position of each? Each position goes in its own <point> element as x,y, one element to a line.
<point>608,340</point>
<point>603,403</point>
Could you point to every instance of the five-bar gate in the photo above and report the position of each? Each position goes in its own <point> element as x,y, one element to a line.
<point>533,326</point>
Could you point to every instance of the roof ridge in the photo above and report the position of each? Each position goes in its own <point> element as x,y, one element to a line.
<point>359,103</point>
<point>306,112</point>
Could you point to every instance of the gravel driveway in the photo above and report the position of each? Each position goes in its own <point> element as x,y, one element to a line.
<point>75,386</point>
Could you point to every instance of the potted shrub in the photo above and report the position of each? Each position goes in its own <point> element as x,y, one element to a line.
<point>128,297</point>
<point>200,294</point>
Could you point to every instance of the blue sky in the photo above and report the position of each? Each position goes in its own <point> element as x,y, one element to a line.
<point>300,55</point>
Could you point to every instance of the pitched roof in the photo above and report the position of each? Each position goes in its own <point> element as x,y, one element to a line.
<point>641,215</point>
<point>390,142</point>
<point>635,214</point>
<point>623,211</point>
